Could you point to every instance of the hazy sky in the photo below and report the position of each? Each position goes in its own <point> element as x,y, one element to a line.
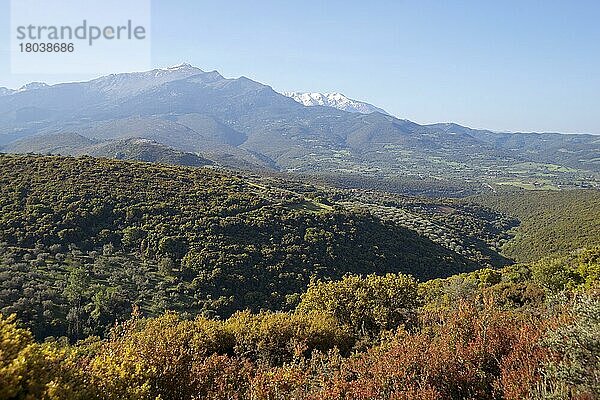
<point>503,65</point>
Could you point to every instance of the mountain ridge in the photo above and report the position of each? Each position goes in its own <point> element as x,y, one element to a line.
<point>249,124</point>
<point>132,148</point>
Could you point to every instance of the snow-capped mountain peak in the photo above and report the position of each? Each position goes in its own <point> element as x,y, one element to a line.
<point>336,100</point>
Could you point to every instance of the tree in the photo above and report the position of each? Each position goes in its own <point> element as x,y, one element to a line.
<point>76,293</point>
<point>173,246</point>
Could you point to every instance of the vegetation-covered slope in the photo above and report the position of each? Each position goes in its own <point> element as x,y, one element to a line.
<point>551,222</point>
<point>84,239</point>
<point>484,335</point>
<point>104,247</point>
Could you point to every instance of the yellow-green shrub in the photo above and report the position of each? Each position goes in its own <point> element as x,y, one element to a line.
<point>181,359</point>
<point>29,370</point>
<point>279,337</point>
<point>366,305</point>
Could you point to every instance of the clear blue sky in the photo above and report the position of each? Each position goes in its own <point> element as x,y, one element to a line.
<point>503,65</point>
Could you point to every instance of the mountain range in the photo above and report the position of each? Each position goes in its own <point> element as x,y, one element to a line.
<point>245,124</point>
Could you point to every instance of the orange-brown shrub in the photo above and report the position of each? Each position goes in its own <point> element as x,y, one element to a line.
<point>466,354</point>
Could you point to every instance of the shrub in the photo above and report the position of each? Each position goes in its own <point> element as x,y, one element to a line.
<point>29,370</point>
<point>556,274</point>
<point>577,371</point>
<point>466,354</point>
<point>276,338</point>
<point>368,306</point>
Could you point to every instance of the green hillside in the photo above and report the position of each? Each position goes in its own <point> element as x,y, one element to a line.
<point>83,239</point>
<point>146,281</point>
<point>552,222</point>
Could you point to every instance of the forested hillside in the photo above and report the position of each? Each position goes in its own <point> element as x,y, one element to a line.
<point>131,280</point>
<point>551,222</point>
<point>84,239</point>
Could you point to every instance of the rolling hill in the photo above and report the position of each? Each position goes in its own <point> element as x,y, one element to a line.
<point>137,149</point>
<point>552,223</point>
<point>197,240</point>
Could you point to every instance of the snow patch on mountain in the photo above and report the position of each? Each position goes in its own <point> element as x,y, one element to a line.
<point>6,91</point>
<point>32,86</point>
<point>335,100</point>
<point>122,85</point>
